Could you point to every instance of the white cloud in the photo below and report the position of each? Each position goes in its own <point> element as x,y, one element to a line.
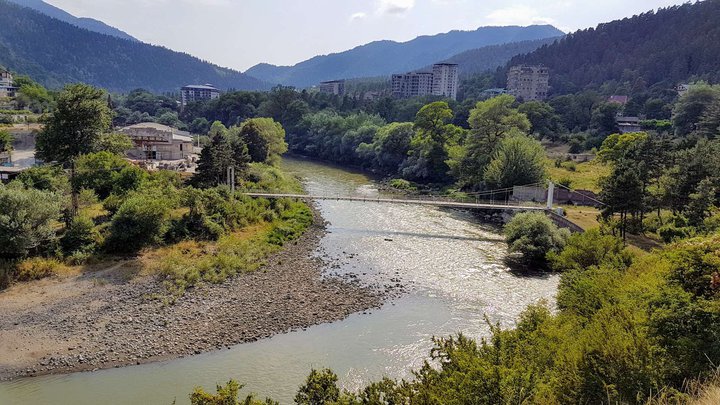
<point>517,15</point>
<point>395,6</point>
<point>358,16</point>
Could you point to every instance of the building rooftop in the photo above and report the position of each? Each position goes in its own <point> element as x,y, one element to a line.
<point>201,87</point>
<point>177,134</point>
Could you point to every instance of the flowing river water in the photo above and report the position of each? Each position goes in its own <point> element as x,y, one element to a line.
<point>451,264</point>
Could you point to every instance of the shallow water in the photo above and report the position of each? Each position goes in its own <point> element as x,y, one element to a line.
<point>452,266</point>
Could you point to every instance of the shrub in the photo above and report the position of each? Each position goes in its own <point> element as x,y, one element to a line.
<point>26,220</point>
<point>37,268</point>
<point>113,202</point>
<point>670,232</point>
<point>533,235</point>
<point>227,395</point>
<point>45,178</point>
<point>141,221</point>
<point>80,236</point>
<point>401,184</point>
<point>570,166</point>
<point>320,388</point>
<point>106,173</point>
<point>592,248</point>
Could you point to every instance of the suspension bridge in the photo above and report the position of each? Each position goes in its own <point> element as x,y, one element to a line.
<point>499,199</point>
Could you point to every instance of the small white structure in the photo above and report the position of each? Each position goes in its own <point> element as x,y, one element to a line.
<point>158,142</point>
<point>6,84</point>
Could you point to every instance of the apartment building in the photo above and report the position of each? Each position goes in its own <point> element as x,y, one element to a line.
<point>334,87</point>
<point>193,93</point>
<point>413,84</point>
<point>445,80</point>
<point>529,82</point>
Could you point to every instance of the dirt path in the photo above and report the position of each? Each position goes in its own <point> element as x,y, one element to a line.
<point>106,319</point>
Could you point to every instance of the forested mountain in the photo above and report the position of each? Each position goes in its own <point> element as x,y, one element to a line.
<point>81,22</point>
<point>55,53</point>
<point>491,57</point>
<point>673,44</point>
<point>382,58</point>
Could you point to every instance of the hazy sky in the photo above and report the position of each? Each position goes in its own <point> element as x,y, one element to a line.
<point>241,33</point>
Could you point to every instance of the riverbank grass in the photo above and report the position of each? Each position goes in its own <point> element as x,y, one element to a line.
<point>185,264</point>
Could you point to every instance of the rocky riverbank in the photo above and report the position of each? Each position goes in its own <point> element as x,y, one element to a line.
<point>102,320</point>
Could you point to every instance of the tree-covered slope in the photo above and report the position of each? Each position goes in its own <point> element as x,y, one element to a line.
<point>673,44</point>
<point>55,53</point>
<point>383,58</point>
<point>81,22</point>
<point>491,57</point>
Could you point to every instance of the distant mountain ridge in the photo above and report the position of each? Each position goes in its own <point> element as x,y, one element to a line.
<point>80,22</point>
<point>671,45</point>
<point>382,58</point>
<point>56,53</point>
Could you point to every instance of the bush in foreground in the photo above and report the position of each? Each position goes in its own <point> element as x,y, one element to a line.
<point>26,220</point>
<point>141,221</point>
<point>533,235</point>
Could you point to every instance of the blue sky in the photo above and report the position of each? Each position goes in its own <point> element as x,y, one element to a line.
<point>241,33</point>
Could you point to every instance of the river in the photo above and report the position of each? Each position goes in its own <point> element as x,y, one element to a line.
<point>451,264</point>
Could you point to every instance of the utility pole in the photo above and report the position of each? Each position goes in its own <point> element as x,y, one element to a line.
<point>550,195</point>
<point>231,177</point>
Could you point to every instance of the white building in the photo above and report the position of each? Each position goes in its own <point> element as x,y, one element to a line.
<point>529,82</point>
<point>445,80</point>
<point>412,84</point>
<point>6,84</point>
<point>193,93</point>
<point>334,87</point>
<point>158,142</point>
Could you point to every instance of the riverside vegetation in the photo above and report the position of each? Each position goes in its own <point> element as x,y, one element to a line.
<point>629,329</point>
<point>107,207</point>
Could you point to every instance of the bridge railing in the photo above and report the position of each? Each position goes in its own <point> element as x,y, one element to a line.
<point>405,197</point>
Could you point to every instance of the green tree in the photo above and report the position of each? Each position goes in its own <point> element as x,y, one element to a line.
<point>701,203</point>
<point>621,192</point>
<point>604,119</point>
<point>389,148</point>
<point>490,122</point>
<point>534,236</point>
<point>214,161</point>
<point>543,119</point>
<point>27,220</point>
<point>428,154</point>
<point>690,108</point>
<point>265,139</point>
<point>115,143</point>
<point>519,160</point>
<point>6,141</point>
<point>320,388</point>
<point>81,116</point>
<point>227,395</point>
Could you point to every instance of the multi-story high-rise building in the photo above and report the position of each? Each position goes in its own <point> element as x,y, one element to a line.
<point>529,82</point>
<point>412,84</point>
<point>335,87</point>
<point>445,80</point>
<point>193,93</point>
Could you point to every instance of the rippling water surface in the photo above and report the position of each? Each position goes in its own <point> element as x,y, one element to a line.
<point>453,268</point>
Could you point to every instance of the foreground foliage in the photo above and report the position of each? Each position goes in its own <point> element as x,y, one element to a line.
<point>627,329</point>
